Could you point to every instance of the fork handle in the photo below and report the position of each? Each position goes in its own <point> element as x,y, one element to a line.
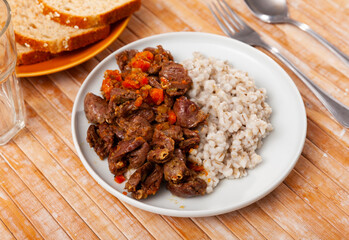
<point>339,111</point>
<point>330,46</point>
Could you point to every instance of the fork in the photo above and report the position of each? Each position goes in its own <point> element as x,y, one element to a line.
<point>236,28</point>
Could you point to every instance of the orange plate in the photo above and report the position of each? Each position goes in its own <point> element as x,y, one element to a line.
<point>73,58</point>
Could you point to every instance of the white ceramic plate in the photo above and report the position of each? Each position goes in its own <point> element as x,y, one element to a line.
<point>280,151</point>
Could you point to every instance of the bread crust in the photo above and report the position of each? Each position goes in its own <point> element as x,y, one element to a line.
<point>108,17</point>
<point>33,57</point>
<point>68,44</point>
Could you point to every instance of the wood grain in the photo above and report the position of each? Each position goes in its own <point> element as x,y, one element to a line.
<point>46,193</point>
<point>30,205</point>
<point>5,232</point>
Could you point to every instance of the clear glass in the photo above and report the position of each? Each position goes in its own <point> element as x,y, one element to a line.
<point>12,113</point>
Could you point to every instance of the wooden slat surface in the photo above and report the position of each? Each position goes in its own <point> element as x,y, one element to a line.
<point>46,193</point>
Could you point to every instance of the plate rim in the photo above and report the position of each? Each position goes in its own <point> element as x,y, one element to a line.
<point>183,212</point>
<point>113,35</point>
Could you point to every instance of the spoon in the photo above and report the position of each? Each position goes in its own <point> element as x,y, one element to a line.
<point>275,11</point>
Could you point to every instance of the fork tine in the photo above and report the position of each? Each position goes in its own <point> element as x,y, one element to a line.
<point>227,16</point>
<point>237,18</point>
<point>220,23</point>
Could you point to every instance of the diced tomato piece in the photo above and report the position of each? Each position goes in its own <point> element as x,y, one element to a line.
<point>157,95</point>
<point>130,84</point>
<point>143,81</point>
<point>172,118</point>
<point>111,80</point>
<point>142,60</point>
<point>149,55</point>
<point>139,101</point>
<point>113,74</point>
<point>146,55</point>
<point>144,65</point>
<point>119,178</point>
<point>106,88</point>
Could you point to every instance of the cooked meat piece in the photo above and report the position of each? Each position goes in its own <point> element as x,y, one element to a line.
<point>136,126</point>
<point>174,72</point>
<point>190,188</point>
<point>188,133</point>
<point>124,57</point>
<point>118,167</point>
<point>139,176</point>
<point>105,131</point>
<point>121,103</point>
<point>161,113</point>
<point>96,142</point>
<point>192,139</point>
<point>154,81</point>
<point>175,170</point>
<point>153,181</point>
<point>160,140</point>
<point>172,131</point>
<point>178,88</point>
<point>125,109</point>
<point>108,132</point>
<point>118,155</point>
<point>96,108</point>
<point>160,54</point>
<point>145,113</point>
<point>168,101</point>
<point>163,55</point>
<point>163,147</point>
<point>154,68</point>
<point>119,96</point>
<point>151,184</point>
<point>180,155</point>
<point>125,147</point>
<point>188,144</point>
<point>103,137</point>
<point>188,113</point>
<point>159,155</point>
<point>137,157</point>
<point>177,80</point>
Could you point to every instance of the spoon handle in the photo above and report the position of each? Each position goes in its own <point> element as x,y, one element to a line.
<point>336,108</point>
<point>330,46</point>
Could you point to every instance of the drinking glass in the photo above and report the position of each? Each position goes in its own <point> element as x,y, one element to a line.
<point>12,113</point>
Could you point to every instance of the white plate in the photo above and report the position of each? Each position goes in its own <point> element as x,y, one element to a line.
<point>280,151</point>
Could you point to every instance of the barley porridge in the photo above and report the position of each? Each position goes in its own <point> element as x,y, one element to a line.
<point>238,119</point>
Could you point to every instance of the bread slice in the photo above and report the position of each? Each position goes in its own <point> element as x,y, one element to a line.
<point>34,29</point>
<point>27,55</point>
<point>89,13</point>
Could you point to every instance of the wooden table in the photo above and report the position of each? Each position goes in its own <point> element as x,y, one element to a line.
<point>45,192</point>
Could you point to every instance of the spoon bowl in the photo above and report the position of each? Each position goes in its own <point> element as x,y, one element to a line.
<point>276,11</point>
<point>270,11</point>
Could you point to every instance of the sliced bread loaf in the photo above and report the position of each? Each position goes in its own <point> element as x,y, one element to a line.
<point>89,13</point>
<point>34,29</point>
<point>27,55</point>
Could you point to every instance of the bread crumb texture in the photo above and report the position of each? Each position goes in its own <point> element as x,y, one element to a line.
<point>41,33</point>
<point>89,13</point>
